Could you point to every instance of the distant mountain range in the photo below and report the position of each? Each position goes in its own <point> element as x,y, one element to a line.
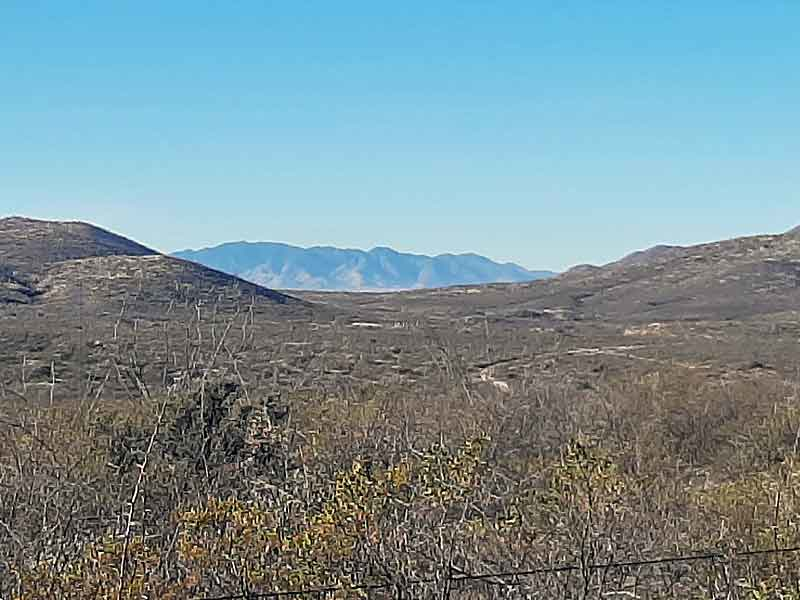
<point>326,268</point>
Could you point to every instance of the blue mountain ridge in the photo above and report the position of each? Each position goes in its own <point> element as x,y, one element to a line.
<point>283,266</point>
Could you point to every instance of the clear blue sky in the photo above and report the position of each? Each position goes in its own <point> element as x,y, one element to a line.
<point>548,133</point>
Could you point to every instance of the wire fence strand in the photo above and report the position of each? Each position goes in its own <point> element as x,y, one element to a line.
<point>514,576</point>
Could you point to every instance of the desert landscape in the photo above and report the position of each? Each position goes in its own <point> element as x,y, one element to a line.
<point>446,300</point>
<point>620,431</point>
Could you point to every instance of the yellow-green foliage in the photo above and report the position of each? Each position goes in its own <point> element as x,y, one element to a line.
<point>309,551</point>
<point>95,574</point>
<point>264,547</point>
<point>586,479</point>
<point>770,589</point>
<point>352,490</point>
<point>761,508</point>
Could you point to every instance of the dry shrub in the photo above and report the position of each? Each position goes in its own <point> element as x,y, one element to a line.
<point>409,491</point>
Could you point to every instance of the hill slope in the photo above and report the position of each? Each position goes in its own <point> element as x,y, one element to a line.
<point>739,278</point>
<point>76,297</point>
<point>29,244</point>
<point>732,279</point>
<point>326,268</point>
<point>651,255</point>
<point>43,260</point>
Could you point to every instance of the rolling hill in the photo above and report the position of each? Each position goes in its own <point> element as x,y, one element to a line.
<point>736,279</point>
<point>44,260</point>
<point>73,294</point>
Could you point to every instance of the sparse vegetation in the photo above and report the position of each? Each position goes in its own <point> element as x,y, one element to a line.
<point>369,487</point>
<point>193,442</point>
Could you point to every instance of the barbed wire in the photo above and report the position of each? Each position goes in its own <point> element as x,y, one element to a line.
<point>514,575</point>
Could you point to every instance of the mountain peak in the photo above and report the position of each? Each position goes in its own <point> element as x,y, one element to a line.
<point>383,250</point>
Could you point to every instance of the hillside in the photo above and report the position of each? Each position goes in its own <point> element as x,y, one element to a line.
<point>65,288</point>
<point>740,278</point>
<point>654,254</point>
<point>727,304</point>
<point>282,266</point>
<point>53,260</point>
<point>733,279</point>
<point>30,244</point>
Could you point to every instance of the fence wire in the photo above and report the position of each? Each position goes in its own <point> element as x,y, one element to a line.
<point>616,574</point>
